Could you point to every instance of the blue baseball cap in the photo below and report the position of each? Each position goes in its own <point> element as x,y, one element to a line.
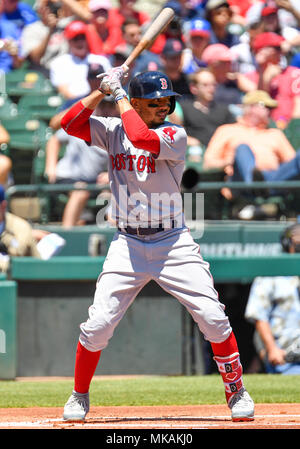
<point>199,27</point>
<point>2,193</point>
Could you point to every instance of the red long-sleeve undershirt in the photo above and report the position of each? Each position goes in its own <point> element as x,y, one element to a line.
<point>76,122</point>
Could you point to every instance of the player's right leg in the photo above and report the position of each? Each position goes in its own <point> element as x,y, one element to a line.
<point>117,287</point>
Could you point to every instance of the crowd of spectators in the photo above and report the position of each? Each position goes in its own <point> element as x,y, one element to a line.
<point>216,52</point>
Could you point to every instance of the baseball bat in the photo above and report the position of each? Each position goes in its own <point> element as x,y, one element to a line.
<point>155,28</point>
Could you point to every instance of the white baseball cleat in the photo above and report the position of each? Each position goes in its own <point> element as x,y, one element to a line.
<point>242,406</point>
<point>76,407</point>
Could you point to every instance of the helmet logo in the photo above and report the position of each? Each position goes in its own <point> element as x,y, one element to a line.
<point>163,83</point>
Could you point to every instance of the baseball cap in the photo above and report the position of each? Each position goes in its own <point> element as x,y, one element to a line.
<point>95,5</point>
<point>259,96</point>
<point>267,39</point>
<point>269,8</point>
<point>213,4</point>
<point>74,29</point>
<point>216,52</point>
<point>173,47</point>
<point>2,193</point>
<point>199,27</point>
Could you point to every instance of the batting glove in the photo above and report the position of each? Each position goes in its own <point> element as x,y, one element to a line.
<point>111,84</point>
<point>113,75</point>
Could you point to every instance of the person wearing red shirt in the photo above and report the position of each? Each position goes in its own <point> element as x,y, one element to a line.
<point>126,10</point>
<point>103,34</point>
<point>282,83</point>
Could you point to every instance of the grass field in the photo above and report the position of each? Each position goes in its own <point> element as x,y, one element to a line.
<point>149,390</point>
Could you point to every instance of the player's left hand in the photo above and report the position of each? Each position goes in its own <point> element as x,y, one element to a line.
<point>111,83</point>
<point>113,75</point>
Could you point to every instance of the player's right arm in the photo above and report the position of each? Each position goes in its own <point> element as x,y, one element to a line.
<point>76,120</point>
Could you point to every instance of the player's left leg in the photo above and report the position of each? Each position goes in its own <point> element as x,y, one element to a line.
<point>226,355</point>
<point>185,275</point>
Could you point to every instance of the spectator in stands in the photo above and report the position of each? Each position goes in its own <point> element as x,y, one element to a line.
<point>274,309</point>
<point>174,30</point>
<point>271,23</point>
<point>231,85</point>
<point>5,161</point>
<point>201,116</point>
<point>243,53</point>
<point>171,58</point>
<point>68,72</point>
<point>239,10</point>
<point>18,238</point>
<point>131,35</point>
<point>9,46</point>
<point>81,164</point>
<point>248,150</point>
<point>44,40</point>
<point>74,9</point>
<point>19,13</point>
<point>219,14</point>
<point>125,10</point>
<point>186,10</point>
<point>288,13</point>
<point>103,35</point>
<point>282,83</point>
<point>197,37</point>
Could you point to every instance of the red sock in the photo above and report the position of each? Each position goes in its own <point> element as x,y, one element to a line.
<point>226,348</point>
<point>85,366</point>
<point>226,355</point>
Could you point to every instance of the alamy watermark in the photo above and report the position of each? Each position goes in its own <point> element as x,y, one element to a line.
<point>137,209</point>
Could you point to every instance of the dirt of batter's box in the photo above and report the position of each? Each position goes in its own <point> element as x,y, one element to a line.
<point>269,416</point>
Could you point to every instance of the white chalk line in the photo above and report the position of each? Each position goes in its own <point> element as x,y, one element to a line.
<point>124,422</point>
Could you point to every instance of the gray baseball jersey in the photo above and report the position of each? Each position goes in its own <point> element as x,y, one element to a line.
<point>146,188</point>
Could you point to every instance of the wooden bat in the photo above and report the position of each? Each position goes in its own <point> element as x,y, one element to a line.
<point>154,29</point>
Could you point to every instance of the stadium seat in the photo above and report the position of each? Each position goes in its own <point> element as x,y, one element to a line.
<point>26,133</point>
<point>23,81</point>
<point>8,109</point>
<point>42,107</point>
<point>27,137</point>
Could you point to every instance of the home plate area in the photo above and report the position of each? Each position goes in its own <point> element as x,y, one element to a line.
<point>267,416</point>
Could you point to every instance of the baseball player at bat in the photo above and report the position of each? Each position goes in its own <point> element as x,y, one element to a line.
<point>147,158</point>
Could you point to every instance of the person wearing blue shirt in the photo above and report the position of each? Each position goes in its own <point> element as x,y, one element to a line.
<point>19,13</point>
<point>219,14</point>
<point>9,58</point>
